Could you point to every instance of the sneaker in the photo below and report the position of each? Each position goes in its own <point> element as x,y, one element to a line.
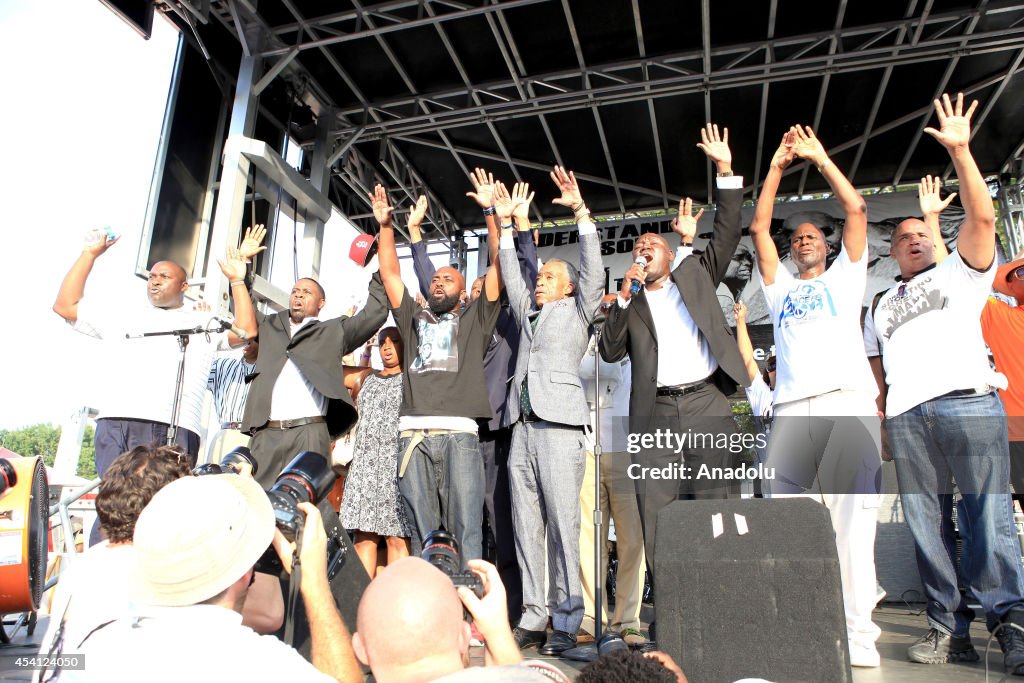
<point>865,656</point>
<point>936,647</point>
<point>633,636</point>
<point>1011,640</point>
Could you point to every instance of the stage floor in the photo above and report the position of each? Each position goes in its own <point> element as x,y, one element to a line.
<point>901,625</point>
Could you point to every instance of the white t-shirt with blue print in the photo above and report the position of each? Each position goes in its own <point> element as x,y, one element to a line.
<point>818,339</point>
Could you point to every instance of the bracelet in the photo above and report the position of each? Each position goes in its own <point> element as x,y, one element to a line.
<point>510,226</point>
<point>490,211</point>
<point>237,282</point>
<point>578,207</point>
<point>580,215</point>
<point>823,165</point>
<point>725,174</point>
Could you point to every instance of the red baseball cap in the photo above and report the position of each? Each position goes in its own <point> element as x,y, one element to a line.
<point>363,248</point>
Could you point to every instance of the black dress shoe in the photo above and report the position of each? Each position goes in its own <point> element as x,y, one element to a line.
<point>558,642</point>
<point>525,637</point>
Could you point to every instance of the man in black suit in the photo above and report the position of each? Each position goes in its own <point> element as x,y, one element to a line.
<point>683,390</point>
<point>298,398</point>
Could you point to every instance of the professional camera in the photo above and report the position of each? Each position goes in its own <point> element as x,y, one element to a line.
<point>442,550</point>
<point>238,461</point>
<point>307,479</point>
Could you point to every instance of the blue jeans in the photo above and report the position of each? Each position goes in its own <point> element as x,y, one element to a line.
<point>962,439</point>
<point>443,488</point>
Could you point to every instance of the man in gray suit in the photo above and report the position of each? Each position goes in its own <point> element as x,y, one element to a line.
<point>550,411</point>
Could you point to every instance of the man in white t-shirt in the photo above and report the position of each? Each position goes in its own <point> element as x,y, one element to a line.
<point>825,435</point>
<point>945,422</point>
<point>136,404</point>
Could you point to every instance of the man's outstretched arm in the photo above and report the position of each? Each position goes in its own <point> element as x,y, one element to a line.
<point>72,289</point>
<point>760,227</point>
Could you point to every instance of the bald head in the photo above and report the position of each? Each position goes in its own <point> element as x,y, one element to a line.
<point>410,622</point>
<point>447,289</point>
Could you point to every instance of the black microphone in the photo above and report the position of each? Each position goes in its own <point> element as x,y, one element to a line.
<point>635,285</point>
<point>227,326</point>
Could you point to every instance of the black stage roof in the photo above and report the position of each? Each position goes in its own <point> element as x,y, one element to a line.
<point>421,91</point>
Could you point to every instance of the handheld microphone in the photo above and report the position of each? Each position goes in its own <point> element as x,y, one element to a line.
<point>228,326</point>
<point>635,285</point>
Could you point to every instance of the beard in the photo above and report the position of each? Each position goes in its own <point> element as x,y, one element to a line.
<point>444,304</point>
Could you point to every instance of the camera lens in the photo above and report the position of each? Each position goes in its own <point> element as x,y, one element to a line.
<point>238,459</point>
<point>442,550</point>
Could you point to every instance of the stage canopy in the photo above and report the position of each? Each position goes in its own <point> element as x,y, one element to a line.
<point>416,93</point>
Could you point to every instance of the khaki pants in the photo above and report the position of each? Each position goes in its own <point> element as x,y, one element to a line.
<point>224,442</point>
<point>618,502</point>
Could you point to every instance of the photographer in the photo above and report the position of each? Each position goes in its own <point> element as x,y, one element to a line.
<point>94,587</point>
<point>411,626</point>
<point>196,544</point>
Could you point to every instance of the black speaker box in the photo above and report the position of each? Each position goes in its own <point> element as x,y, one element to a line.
<point>750,589</point>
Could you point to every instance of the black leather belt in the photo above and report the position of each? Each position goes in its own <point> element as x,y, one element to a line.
<point>288,424</point>
<point>237,426</point>
<point>961,392</point>
<point>683,389</point>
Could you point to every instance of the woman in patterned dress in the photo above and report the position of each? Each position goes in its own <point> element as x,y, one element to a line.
<point>371,503</point>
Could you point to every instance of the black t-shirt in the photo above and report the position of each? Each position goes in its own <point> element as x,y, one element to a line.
<point>444,358</point>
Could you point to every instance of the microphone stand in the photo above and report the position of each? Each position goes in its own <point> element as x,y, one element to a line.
<point>179,386</point>
<point>589,652</point>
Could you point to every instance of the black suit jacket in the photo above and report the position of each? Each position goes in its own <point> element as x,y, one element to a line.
<point>631,330</point>
<point>317,349</point>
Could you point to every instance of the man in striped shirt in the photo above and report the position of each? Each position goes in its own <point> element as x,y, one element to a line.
<point>227,382</point>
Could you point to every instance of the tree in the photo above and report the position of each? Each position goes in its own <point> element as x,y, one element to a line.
<point>42,439</point>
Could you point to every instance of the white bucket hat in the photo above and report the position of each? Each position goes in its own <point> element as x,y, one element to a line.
<point>197,536</point>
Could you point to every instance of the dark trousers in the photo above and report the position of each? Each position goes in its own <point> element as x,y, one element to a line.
<point>494,447</point>
<point>1017,471</point>
<point>115,436</point>
<point>706,411</point>
<point>275,448</point>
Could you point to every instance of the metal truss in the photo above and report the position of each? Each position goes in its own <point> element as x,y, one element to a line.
<point>423,118</point>
<point>355,172</point>
<point>680,74</point>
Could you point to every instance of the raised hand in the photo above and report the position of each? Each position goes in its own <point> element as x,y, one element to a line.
<point>233,265</point>
<point>784,155</point>
<point>739,311</point>
<point>250,245</point>
<point>483,188</point>
<point>807,146</point>
<point>503,204</point>
<point>416,212</point>
<point>98,240</point>
<point>685,224</point>
<point>954,124</point>
<point>566,183</point>
<point>716,146</point>
<point>381,206</point>
<point>929,198</point>
<point>521,198</point>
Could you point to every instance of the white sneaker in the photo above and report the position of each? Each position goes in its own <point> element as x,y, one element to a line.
<point>864,656</point>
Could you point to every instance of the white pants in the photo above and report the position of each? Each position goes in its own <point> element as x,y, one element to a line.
<point>850,448</point>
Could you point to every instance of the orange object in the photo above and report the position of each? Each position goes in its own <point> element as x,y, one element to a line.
<point>24,510</point>
<point>1003,329</point>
